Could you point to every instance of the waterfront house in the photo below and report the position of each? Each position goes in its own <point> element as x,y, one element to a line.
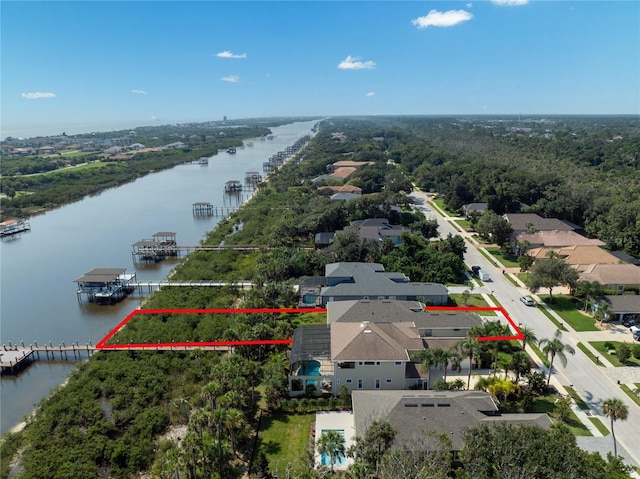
<point>348,281</point>
<point>412,414</point>
<point>370,345</point>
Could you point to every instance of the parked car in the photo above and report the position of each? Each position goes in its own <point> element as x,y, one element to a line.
<point>635,330</point>
<point>636,336</point>
<point>527,300</point>
<point>628,322</point>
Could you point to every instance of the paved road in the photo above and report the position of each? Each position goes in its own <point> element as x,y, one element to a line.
<point>589,380</point>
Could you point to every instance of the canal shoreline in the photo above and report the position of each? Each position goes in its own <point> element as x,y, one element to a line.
<point>21,424</point>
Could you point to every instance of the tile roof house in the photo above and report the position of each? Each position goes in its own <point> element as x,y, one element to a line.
<point>556,238</point>
<point>614,277</point>
<point>348,281</point>
<point>580,257</point>
<point>414,413</point>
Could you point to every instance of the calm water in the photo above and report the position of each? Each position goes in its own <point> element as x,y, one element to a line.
<point>38,269</point>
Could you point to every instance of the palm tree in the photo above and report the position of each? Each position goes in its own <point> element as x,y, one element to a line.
<point>331,443</point>
<point>615,409</point>
<point>590,289</point>
<point>528,336</point>
<point>470,347</point>
<point>602,311</point>
<point>443,358</point>
<point>429,359</point>
<point>554,347</point>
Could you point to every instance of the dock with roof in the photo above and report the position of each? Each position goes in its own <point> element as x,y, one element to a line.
<point>105,285</point>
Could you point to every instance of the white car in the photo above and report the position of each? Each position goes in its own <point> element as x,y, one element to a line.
<point>527,300</point>
<point>635,330</point>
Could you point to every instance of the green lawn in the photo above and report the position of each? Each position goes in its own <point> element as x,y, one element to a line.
<point>508,261</point>
<point>600,426</point>
<point>558,324</point>
<point>576,398</point>
<point>285,439</point>
<point>546,404</point>
<point>568,311</point>
<point>588,353</point>
<point>474,300</point>
<point>612,358</point>
<point>632,395</point>
<point>439,203</point>
<point>464,224</point>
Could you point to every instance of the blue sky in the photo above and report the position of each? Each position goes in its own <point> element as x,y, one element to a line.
<point>87,66</point>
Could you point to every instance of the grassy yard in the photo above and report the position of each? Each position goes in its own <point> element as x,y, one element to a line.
<point>632,395</point>
<point>568,311</point>
<point>612,358</point>
<point>558,324</point>
<point>474,300</point>
<point>546,404</point>
<point>508,261</point>
<point>588,353</point>
<point>464,224</point>
<point>285,439</point>
<point>439,203</point>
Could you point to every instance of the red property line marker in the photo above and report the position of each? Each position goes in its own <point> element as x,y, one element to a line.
<point>103,346</point>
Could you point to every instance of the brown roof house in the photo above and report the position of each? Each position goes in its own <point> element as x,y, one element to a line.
<point>580,257</point>
<point>368,345</point>
<point>614,277</point>
<point>556,238</point>
<point>531,222</point>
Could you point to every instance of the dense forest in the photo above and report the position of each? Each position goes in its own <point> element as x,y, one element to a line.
<point>196,413</point>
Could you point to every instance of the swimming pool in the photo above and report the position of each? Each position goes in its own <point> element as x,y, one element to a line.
<point>310,368</point>
<point>325,459</point>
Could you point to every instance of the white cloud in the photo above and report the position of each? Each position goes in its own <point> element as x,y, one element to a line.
<point>38,94</point>
<point>354,63</point>
<point>469,5</point>
<point>442,19</point>
<point>228,54</point>
<point>231,78</point>
<point>371,93</point>
<point>139,92</point>
<point>509,3</point>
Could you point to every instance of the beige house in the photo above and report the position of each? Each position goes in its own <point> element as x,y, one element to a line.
<point>556,238</point>
<point>614,277</point>
<point>580,257</point>
<point>368,345</point>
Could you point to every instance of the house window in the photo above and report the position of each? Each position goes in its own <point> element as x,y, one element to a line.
<point>360,383</point>
<point>398,363</point>
<point>620,288</point>
<point>348,381</point>
<point>388,381</point>
<point>370,363</point>
<point>377,384</point>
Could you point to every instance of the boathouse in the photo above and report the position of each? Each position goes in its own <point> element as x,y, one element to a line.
<point>161,246</point>
<point>14,227</point>
<point>105,285</point>
<point>233,186</point>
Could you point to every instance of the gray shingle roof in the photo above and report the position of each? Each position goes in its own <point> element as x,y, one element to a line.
<point>413,413</point>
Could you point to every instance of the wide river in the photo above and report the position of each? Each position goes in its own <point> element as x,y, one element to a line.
<point>38,301</point>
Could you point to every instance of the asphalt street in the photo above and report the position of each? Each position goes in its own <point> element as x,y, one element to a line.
<point>588,379</point>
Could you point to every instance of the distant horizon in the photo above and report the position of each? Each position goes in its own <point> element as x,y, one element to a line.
<point>92,66</point>
<point>44,131</point>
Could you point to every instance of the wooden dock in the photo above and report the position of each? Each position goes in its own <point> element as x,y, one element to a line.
<point>14,359</point>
